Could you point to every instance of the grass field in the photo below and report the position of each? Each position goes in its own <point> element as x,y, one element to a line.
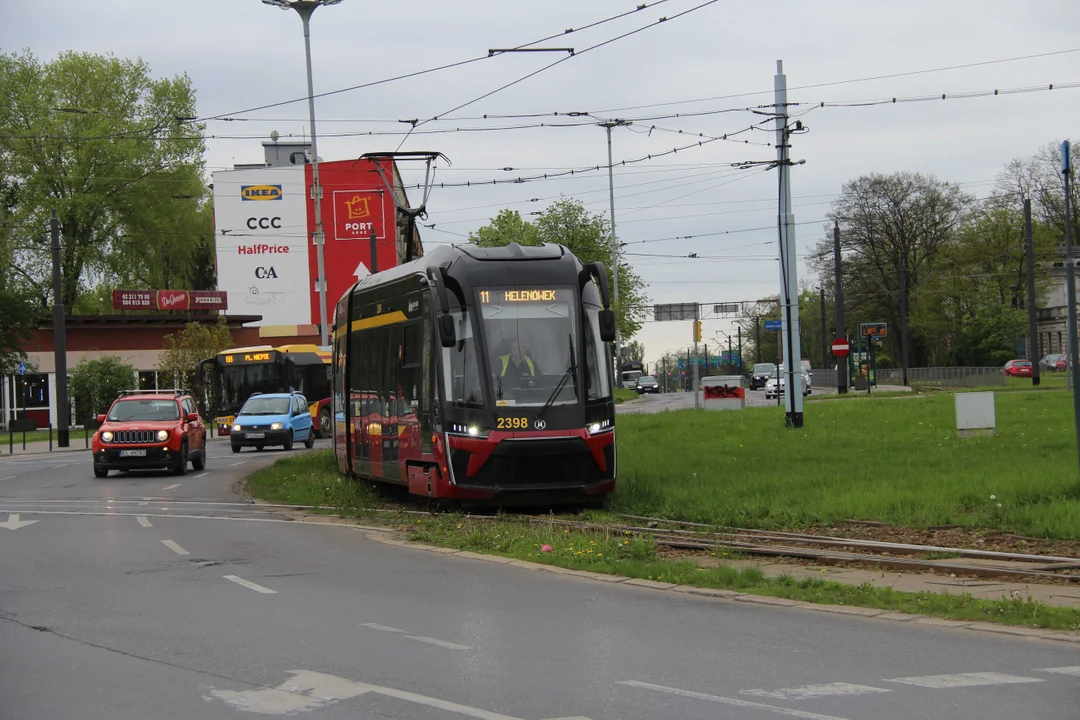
<point>75,435</point>
<point>892,460</point>
<point>622,395</point>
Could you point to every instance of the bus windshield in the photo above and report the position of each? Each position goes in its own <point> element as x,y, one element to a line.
<point>529,340</point>
<point>238,382</point>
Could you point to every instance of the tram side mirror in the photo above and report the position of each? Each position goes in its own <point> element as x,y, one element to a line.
<point>607,325</point>
<point>447,336</point>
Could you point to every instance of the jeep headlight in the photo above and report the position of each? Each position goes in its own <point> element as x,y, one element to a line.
<point>162,435</point>
<point>275,426</point>
<point>106,437</point>
<point>236,428</point>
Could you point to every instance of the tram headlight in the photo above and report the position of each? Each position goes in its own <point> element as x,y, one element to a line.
<point>594,428</point>
<point>474,431</point>
<point>598,427</point>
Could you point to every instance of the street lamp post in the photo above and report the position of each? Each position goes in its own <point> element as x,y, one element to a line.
<point>305,8</point>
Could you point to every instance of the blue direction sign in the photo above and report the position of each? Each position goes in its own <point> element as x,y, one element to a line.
<point>22,368</point>
<point>774,324</point>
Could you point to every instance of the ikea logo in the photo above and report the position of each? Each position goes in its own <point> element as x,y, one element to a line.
<point>260,192</point>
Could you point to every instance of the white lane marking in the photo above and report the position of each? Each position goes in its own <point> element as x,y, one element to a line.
<point>1070,670</point>
<point>440,643</point>
<point>250,585</point>
<point>143,521</point>
<point>729,701</point>
<point>174,547</point>
<point>171,487</point>
<point>377,626</point>
<point>964,680</point>
<point>308,691</point>
<point>144,500</point>
<point>57,467</point>
<point>14,523</point>
<point>9,477</point>
<point>238,463</point>
<point>809,692</point>
<point>198,476</point>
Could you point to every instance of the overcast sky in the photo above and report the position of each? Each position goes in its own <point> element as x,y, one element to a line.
<point>242,53</point>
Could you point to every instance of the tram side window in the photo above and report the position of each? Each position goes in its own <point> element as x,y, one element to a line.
<point>410,364</point>
<point>461,370</point>
<point>596,361</point>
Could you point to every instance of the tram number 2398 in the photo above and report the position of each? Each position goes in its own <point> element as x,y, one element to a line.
<point>512,423</point>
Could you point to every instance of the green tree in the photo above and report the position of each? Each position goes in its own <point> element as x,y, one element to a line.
<point>18,316</point>
<point>95,384</point>
<point>184,350</point>
<point>567,222</point>
<point>111,150</point>
<point>505,228</point>
<point>634,351</point>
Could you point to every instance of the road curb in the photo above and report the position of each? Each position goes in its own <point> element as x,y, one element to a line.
<point>384,536</point>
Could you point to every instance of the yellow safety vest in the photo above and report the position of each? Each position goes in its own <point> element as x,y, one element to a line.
<point>506,362</point>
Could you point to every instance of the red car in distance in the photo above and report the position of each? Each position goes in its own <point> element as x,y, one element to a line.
<point>1018,368</point>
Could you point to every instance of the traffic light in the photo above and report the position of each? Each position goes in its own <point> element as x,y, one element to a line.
<point>697,331</point>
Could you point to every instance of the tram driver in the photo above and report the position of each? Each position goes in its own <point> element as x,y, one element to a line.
<point>516,367</point>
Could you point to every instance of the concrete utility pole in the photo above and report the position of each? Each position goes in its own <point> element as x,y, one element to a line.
<point>1070,289</point>
<point>789,285</point>
<point>838,302</point>
<point>614,242</point>
<point>697,317</point>
<point>903,321</point>
<point>1033,319</point>
<point>824,330</point>
<point>59,341</point>
<point>305,8</point>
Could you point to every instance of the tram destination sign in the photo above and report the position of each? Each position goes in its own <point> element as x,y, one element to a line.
<point>499,296</point>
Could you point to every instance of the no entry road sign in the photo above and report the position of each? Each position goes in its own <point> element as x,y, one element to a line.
<point>840,347</point>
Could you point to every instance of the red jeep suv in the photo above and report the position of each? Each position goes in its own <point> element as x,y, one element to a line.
<point>147,429</point>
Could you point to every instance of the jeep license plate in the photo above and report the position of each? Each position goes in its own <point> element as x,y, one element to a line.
<point>255,436</point>
<point>133,453</point>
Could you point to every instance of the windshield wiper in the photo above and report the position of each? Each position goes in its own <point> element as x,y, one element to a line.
<point>570,372</point>
<point>498,387</point>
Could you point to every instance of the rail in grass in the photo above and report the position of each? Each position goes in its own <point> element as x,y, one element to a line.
<point>479,374</point>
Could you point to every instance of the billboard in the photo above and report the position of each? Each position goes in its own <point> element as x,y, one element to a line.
<point>208,300</point>
<point>261,237</point>
<point>355,204</point>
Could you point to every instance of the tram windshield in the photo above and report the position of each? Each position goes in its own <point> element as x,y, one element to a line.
<point>529,340</point>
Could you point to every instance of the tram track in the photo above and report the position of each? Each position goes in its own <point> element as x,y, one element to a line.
<point>664,533</point>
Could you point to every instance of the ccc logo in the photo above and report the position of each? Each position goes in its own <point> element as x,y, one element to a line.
<point>264,223</point>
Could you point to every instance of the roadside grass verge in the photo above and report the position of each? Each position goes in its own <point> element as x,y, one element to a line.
<point>622,395</point>
<point>76,436</point>
<point>312,479</point>
<point>893,461</point>
<point>615,553</point>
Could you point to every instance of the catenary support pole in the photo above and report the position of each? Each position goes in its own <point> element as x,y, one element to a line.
<point>903,321</point>
<point>1033,317</point>
<point>1070,289</point>
<point>697,399</point>
<point>838,302</point>
<point>59,340</point>
<point>793,398</point>
<point>824,331</point>
<point>316,188</point>
<point>614,241</point>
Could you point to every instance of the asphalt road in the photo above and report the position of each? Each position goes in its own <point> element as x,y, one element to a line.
<point>153,596</point>
<point>684,400</point>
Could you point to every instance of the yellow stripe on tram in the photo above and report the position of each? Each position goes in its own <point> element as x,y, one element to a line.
<point>378,320</point>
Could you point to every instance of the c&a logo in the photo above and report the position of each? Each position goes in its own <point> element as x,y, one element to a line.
<point>260,192</point>
<point>264,273</point>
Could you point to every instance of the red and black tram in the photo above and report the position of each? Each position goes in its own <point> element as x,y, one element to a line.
<point>479,374</point>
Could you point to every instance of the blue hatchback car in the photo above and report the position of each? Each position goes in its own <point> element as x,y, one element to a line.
<point>273,419</point>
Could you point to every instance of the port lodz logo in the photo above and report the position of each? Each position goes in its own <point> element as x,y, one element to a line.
<point>260,192</point>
